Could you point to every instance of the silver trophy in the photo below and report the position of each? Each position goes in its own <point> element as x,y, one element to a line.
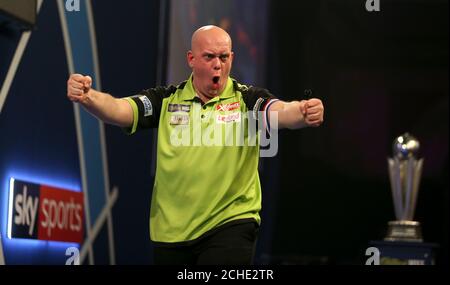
<point>404,172</point>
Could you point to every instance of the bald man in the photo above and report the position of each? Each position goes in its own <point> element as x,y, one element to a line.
<point>207,195</point>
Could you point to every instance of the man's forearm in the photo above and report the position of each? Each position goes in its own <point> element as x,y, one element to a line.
<point>289,115</point>
<point>108,109</point>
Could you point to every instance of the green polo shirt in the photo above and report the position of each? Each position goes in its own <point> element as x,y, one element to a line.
<point>207,159</point>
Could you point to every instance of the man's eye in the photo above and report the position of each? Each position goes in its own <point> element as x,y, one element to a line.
<point>224,57</point>
<point>210,56</point>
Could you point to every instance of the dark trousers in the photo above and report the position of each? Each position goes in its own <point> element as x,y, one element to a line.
<point>232,245</point>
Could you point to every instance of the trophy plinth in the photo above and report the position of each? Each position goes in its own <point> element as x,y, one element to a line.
<point>404,173</point>
<point>404,231</point>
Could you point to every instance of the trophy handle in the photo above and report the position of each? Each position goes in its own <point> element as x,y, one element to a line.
<point>408,189</point>
<point>394,175</point>
<point>417,176</point>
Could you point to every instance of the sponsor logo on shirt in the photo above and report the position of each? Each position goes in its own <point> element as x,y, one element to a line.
<point>228,107</point>
<point>148,109</point>
<point>178,108</point>
<point>179,119</point>
<point>234,117</point>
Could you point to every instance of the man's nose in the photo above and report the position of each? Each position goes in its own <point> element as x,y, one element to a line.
<point>216,63</point>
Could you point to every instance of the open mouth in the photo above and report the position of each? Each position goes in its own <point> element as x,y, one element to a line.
<point>216,79</point>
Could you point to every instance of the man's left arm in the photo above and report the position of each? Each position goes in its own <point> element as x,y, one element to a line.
<point>298,114</point>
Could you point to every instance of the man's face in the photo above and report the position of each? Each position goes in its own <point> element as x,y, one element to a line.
<point>210,59</point>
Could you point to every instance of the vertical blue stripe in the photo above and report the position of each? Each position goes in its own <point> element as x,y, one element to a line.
<point>80,41</point>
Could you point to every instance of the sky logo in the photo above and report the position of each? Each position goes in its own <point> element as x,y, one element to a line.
<point>45,213</point>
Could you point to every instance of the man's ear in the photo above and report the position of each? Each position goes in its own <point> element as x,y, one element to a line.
<point>190,59</point>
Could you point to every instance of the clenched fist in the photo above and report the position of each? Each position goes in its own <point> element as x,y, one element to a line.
<point>312,111</point>
<point>78,87</point>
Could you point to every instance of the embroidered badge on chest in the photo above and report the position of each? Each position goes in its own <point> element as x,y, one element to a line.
<point>178,108</point>
<point>179,119</point>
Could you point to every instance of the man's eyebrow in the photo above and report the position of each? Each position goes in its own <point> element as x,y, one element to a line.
<point>220,54</point>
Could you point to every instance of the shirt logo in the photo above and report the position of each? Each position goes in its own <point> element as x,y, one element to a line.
<point>178,108</point>
<point>228,107</point>
<point>234,117</point>
<point>148,109</point>
<point>179,119</point>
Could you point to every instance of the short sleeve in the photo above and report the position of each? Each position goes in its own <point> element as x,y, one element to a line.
<point>146,107</point>
<point>259,100</point>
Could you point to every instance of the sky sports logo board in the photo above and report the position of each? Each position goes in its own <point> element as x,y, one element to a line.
<point>44,212</point>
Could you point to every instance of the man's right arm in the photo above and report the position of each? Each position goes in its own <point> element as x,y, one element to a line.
<point>102,105</point>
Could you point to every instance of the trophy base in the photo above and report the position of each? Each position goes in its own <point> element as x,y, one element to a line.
<point>404,231</point>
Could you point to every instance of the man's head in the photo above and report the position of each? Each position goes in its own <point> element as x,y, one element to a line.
<point>210,58</point>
